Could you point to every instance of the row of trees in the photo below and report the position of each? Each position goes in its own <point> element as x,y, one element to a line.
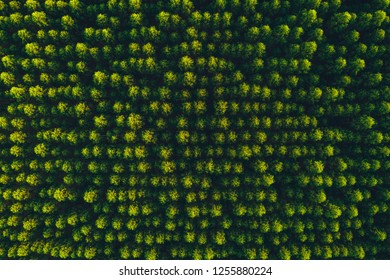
<point>197,252</point>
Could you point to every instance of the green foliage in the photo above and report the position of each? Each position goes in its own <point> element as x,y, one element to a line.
<point>41,150</point>
<point>182,129</point>
<point>91,196</point>
<point>364,122</point>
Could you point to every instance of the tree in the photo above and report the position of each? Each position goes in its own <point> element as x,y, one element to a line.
<point>333,211</point>
<point>9,61</point>
<point>275,79</point>
<point>135,19</point>
<point>82,50</point>
<point>101,222</point>
<point>100,121</point>
<point>189,79</point>
<point>32,5</point>
<point>39,18</point>
<point>100,78</point>
<point>304,65</point>
<point>90,252</point>
<point>340,21</point>
<point>168,167</point>
<point>91,196</point>
<point>41,150</point>
<point>253,34</point>
<point>186,63</point>
<point>170,78</point>
<point>281,32</point>
<point>308,49</point>
<point>67,22</point>
<point>357,252</point>
<point>18,137</point>
<point>315,167</point>
<point>7,78</point>
<point>134,121</point>
<point>364,122</point>
<point>150,65</point>
<point>285,253</point>
<point>163,19</point>
<point>374,79</point>
<point>193,211</point>
<point>32,180</point>
<point>220,238</point>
